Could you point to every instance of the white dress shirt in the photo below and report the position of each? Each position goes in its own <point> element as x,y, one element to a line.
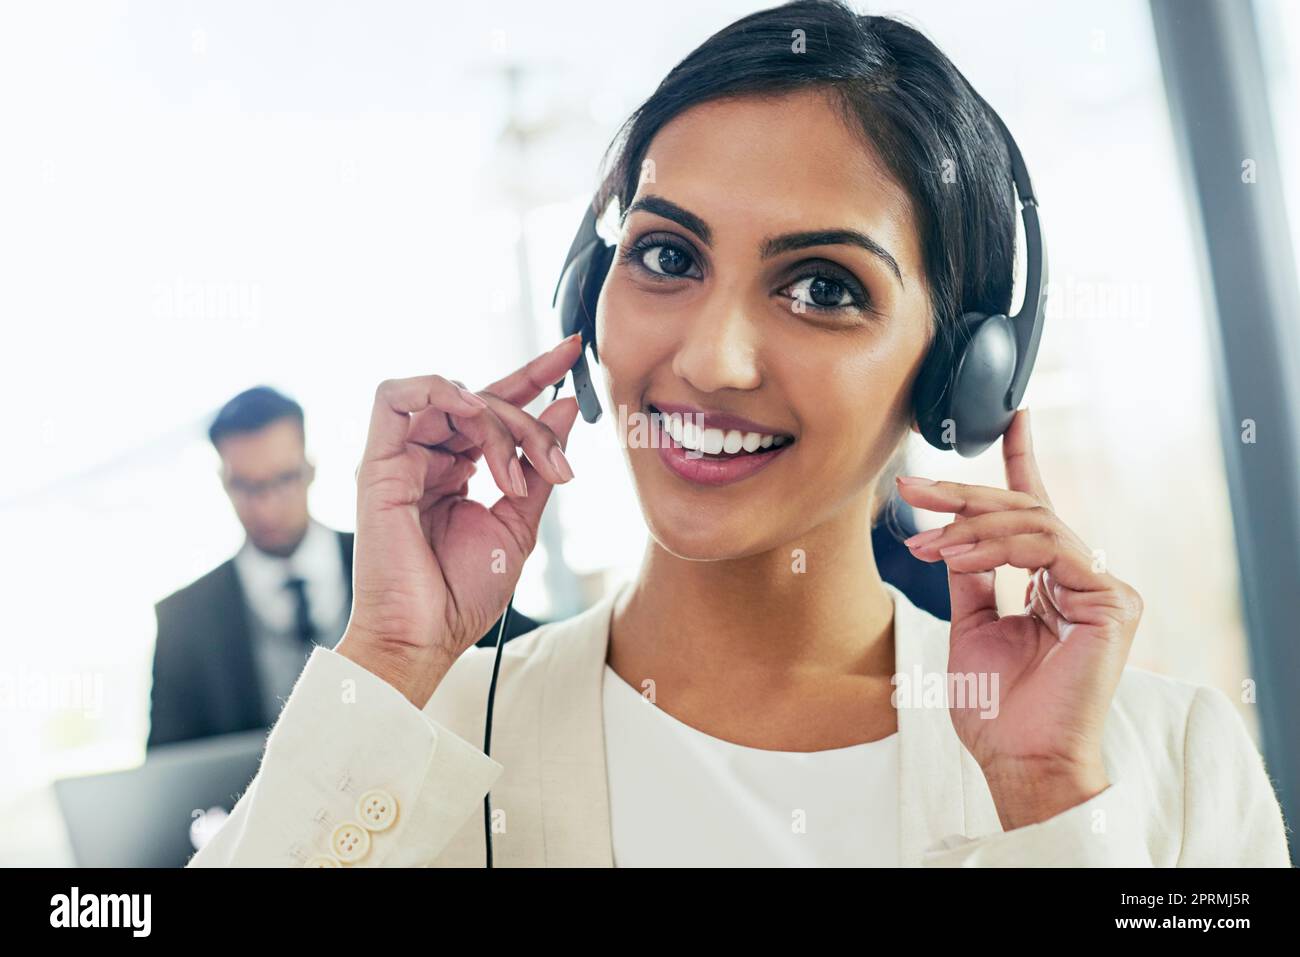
<point>278,651</point>
<point>681,798</point>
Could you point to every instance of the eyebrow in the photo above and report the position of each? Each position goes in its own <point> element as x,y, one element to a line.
<point>772,245</point>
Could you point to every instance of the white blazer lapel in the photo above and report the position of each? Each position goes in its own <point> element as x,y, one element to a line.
<point>574,785</point>
<point>941,790</point>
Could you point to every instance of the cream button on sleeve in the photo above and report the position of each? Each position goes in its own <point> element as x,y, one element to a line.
<point>323,860</point>
<point>377,809</point>
<point>350,842</point>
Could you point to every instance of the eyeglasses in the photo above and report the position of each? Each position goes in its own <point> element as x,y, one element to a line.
<point>276,485</point>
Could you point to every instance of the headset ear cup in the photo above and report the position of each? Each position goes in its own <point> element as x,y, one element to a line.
<point>981,385</point>
<point>577,295</point>
<point>601,261</point>
<point>932,395</point>
<point>929,395</point>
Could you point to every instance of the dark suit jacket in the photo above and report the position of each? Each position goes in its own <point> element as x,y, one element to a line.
<point>205,679</point>
<point>924,583</point>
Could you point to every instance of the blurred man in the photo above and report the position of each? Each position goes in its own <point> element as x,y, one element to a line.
<point>231,645</point>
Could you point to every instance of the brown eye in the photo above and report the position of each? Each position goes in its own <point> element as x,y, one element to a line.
<point>669,259</point>
<point>659,257</point>
<point>826,291</point>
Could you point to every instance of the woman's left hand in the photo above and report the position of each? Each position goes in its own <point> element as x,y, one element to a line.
<point>1057,664</point>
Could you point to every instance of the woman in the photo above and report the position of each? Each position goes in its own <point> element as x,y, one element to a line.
<point>793,719</point>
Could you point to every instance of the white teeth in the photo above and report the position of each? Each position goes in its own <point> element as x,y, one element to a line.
<point>674,426</point>
<point>714,441</point>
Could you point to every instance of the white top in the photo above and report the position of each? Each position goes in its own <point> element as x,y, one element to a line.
<point>681,798</point>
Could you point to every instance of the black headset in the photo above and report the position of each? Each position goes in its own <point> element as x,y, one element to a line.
<point>965,395</point>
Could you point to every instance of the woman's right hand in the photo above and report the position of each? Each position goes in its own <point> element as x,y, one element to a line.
<point>432,569</point>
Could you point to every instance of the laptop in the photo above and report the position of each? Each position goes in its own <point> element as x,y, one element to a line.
<point>158,814</point>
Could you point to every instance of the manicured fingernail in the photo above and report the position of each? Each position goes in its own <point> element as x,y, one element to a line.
<point>561,463</point>
<point>922,537</point>
<point>915,480</point>
<point>517,478</point>
<point>566,340</point>
<point>961,549</point>
<point>471,398</point>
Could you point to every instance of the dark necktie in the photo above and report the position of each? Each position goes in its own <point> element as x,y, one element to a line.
<point>303,627</point>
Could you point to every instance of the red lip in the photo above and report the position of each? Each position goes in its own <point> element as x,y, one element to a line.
<point>718,420</point>
<point>693,467</point>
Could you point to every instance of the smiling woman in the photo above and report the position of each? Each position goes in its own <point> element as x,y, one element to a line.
<point>810,204</point>
<point>815,331</point>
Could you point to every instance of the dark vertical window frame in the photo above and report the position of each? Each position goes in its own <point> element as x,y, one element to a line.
<point>1211,59</point>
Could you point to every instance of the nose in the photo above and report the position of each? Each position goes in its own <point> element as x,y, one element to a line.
<point>265,511</point>
<point>720,346</point>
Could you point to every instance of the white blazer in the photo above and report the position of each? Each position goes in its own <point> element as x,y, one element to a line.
<point>355,774</point>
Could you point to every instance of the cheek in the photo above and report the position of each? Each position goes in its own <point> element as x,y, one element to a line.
<point>886,367</point>
<point>859,405</point>
<point>625,336</point>
<point>883,380</point>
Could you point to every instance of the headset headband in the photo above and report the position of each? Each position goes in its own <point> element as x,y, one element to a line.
<point>1028,320</point>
